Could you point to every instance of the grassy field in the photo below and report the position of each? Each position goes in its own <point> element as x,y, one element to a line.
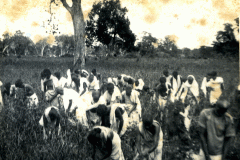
<point>21,136</point>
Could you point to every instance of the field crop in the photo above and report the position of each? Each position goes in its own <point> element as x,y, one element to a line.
<point>21,136</point>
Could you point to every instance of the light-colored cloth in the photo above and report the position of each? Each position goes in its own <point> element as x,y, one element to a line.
<point>32,100</point>
<point>193,88</point>
<point>1,98</point>
<point>204,86</point>
<point>88,99</point>
<point>83,81</point>
<point>95,84</point>
<point>168,79</point>
<point>62,82</point>
<point>131,101</point>
<point>49,94</point>
<point>54,80</point>
<point>113,80</point>
<point>216,91</point>
<point>117,153</point>
<point>70,94</point>
<point>147,141</point>
<point>116,97</point>
<point>46,113</point>
<point>140,86</point>
<point>201,156</point>
<point>114,122</point>
<point>217,129</point>
<point>176,84</point>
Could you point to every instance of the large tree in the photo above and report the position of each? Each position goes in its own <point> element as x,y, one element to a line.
<point>79,29</point>
<point>107,20</point>
<point>226,42</point>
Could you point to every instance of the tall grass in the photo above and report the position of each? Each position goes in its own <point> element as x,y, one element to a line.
<point>21,136</point>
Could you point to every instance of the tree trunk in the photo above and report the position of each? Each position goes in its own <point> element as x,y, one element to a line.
<point>79,31</point>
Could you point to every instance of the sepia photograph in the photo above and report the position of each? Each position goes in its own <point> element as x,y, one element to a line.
<point>119,80</point>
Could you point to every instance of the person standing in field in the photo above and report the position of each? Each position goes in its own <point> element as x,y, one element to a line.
<point>133,105</point>
<point>168,77</point>
<point>215,86</point>
<point>216,131</point>
<point>204,89</point>
<point>176,83</point>
<point>149,141</point>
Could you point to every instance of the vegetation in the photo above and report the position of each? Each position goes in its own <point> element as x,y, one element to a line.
<point>21,136</point>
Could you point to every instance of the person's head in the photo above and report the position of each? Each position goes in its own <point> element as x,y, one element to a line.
<point>147,121</point>
<point>162,80</point>
<point>165,73</point>
<point>119,77</point>
<point>128,90</point>
<point>208,76</point>
<point>136,83</point>
<point>19,83</point>
<point>94,72</point>
<point>101,110</point>
<point>47,73</point>
<point>214,75</point>
<point>130,81</point>
<point>84,73</point>
<point>96,95</point>
<point>190,79</point>
<point>110,88</point>
<point>58,75</point>
<point>221,107</point>
<point>77,71</point>
<point>175,74</point>
<point>94,136</point>
<point>90,78</point>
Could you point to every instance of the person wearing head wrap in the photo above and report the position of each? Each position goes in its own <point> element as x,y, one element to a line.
<point>188,88</point>
<point>138,85</point>
<point>84,83</point>
<point>112,94</point>
<point>106,142</point>
<point>133,105</point>
<point>216,87</point>
<point>46,75</point>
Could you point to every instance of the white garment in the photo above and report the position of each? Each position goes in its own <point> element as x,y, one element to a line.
<point>140,86</point>
<point>204,86</point>
<point>216,91</point>
<point>94,85</point>
<point>176,84</point>
<point>53,78</point>
<point>46,112</point>
<point>32,100</point>
<point>70,94</point>
<point>113,121</point>
<point>1,98</point>
<point>201,156</point>
<point>192,87</point>
<point>116,97</point>
<point>82,81</point>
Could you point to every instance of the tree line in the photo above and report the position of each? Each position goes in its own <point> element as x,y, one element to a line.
<point>108,25</point>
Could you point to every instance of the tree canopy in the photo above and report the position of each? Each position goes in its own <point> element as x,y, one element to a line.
<point>107,20</point>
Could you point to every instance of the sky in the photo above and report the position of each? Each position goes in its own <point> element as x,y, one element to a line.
<point>191,23</point>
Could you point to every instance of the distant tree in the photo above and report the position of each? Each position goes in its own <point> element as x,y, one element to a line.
<point>169,44</point>
<point>41,44</point>
<point>107,20</point>
<point>186,51</point>
<point>146,45</point>
<point>237,22</point>
<point>66,43</point>
<point>226,42</point>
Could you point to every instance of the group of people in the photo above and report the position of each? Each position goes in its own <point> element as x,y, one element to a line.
<point>108,106</point>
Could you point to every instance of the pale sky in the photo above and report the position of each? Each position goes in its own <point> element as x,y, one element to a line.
<point>192,23</point>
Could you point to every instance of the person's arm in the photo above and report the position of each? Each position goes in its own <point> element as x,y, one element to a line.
<point>119,116</point>
<point>84,88</point>
<point>226,145</point>
<point>156,140</point>
<point>138,142</point>
<point>202,133</point>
